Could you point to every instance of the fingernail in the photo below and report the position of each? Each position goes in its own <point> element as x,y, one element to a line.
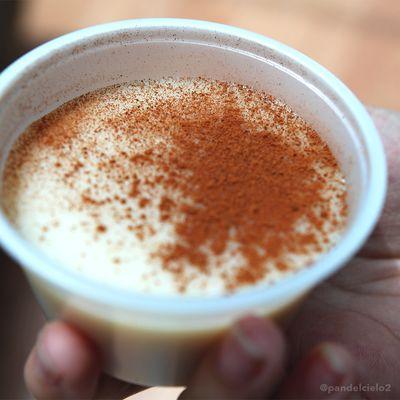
<point>242,355</point>
<point>45,364</point>
<point>337,361</point>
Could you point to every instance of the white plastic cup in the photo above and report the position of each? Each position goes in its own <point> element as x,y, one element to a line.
<point>155,340</point>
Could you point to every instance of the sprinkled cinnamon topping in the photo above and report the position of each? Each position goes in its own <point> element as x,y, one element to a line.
<point>204,186</point>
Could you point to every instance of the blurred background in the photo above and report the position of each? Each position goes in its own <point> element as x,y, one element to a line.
<point>358,40</point>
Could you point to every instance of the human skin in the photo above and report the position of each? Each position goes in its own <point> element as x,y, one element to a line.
<point>360,306</point>
<point>346,332</point>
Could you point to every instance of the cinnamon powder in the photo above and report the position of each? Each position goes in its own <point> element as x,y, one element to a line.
<point>247,184</point>
<point>232,180</point>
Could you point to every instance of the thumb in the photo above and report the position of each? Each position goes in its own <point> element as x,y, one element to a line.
<point>248,363</point>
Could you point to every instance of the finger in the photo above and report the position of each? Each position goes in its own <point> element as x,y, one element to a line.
<point>323,373</point>
<point>63,364</point>
<point>246,364</point>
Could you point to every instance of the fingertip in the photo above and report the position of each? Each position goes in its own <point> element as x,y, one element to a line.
<point>68,350</point>
<point>42,383</point>
<point>264,332</point>
<point>337,359</point>
<point>247,363</point>
<point>255,347</point>
<point>321,374</point>
<point>63,362</point>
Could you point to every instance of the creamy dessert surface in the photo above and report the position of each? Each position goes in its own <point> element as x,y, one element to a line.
<point>187,187</point>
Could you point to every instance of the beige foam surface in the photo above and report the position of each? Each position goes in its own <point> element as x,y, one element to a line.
<point>70,183</point>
